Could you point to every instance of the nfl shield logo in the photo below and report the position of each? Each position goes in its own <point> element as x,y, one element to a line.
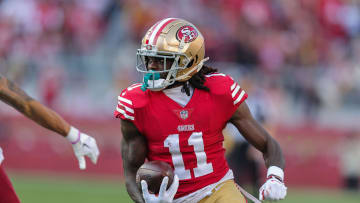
<point>184,114</point>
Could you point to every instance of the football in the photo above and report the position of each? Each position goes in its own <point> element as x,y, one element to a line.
<point>153,173</point>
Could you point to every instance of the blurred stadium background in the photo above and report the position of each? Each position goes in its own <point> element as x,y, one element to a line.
<point>299,58</point>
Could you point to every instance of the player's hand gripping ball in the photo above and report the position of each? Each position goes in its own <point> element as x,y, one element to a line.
<point>153,173</point>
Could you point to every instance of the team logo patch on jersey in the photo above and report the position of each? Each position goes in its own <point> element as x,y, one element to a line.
<point>187,31</point>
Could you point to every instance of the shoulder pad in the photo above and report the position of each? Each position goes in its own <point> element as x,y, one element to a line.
<point>218,83</point>
<point>130,100</point>
<point>221,84</point>
<point>134,95</point>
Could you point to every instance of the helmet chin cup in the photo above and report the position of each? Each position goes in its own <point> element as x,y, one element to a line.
<point>153,82</point>
<point>156,85</point>
<point>152,78</point>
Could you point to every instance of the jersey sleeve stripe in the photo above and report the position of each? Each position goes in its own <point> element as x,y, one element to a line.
<point>133,86</point>
<point>126,108</point>
<point>233,86</point>
<point>124,100</point>
<point>235,91</point>
<point>124,114</point>
<point>239,97</point>
<point>215,74</point>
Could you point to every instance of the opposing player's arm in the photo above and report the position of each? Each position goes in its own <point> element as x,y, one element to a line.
<point>82,144</point>
<point>257,136</point>
<point>133,152</point>
<point>11,94</point>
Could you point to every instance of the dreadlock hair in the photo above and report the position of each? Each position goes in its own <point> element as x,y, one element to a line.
<point>198,80</point>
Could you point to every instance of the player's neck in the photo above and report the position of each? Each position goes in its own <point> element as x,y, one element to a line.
<point>176,84</point>
<point>179,95</point>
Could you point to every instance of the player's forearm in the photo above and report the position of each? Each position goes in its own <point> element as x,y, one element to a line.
<point>132,188</point>
<point>133,153</point>
<point>263,141</point>
<point>11,94</point>
<point>273,155</point>
<point>47,118</point>
<point>132,160</point>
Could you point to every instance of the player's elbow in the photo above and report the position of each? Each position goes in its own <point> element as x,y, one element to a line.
<point>27,109</point>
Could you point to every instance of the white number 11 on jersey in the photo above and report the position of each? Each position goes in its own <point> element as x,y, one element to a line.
<point>196,140</point>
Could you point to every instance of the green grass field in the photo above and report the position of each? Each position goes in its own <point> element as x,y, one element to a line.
<point>71,189</point>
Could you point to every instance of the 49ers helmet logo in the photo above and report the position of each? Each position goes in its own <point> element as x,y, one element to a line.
<point>188,32</point>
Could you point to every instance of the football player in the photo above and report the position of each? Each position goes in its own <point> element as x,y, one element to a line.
<point>83,144</point>
<point>177,116</point>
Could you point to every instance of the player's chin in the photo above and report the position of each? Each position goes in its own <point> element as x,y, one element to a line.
<point>163,75</point>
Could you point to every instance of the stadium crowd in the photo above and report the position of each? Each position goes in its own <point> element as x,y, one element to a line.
<point>300,55</point>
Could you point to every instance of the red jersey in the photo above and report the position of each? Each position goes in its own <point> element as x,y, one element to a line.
<point>7,192</point>
<point>188,138</point>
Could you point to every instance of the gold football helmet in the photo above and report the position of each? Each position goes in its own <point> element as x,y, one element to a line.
<point>171,39</point>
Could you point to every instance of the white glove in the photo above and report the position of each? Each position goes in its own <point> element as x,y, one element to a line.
<point>165,196</point>
<point>273,188</point>
<point>83,145</point>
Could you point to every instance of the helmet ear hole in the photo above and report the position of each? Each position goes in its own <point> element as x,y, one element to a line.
<point>190,64</point>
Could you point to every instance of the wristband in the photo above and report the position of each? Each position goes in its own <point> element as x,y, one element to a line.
<point>73,135</point>
<point>275,171</point>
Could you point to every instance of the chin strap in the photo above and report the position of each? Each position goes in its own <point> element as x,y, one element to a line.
<point>200,65</point>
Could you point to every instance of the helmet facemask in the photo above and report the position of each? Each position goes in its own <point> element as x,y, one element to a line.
<point>164,76</point>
